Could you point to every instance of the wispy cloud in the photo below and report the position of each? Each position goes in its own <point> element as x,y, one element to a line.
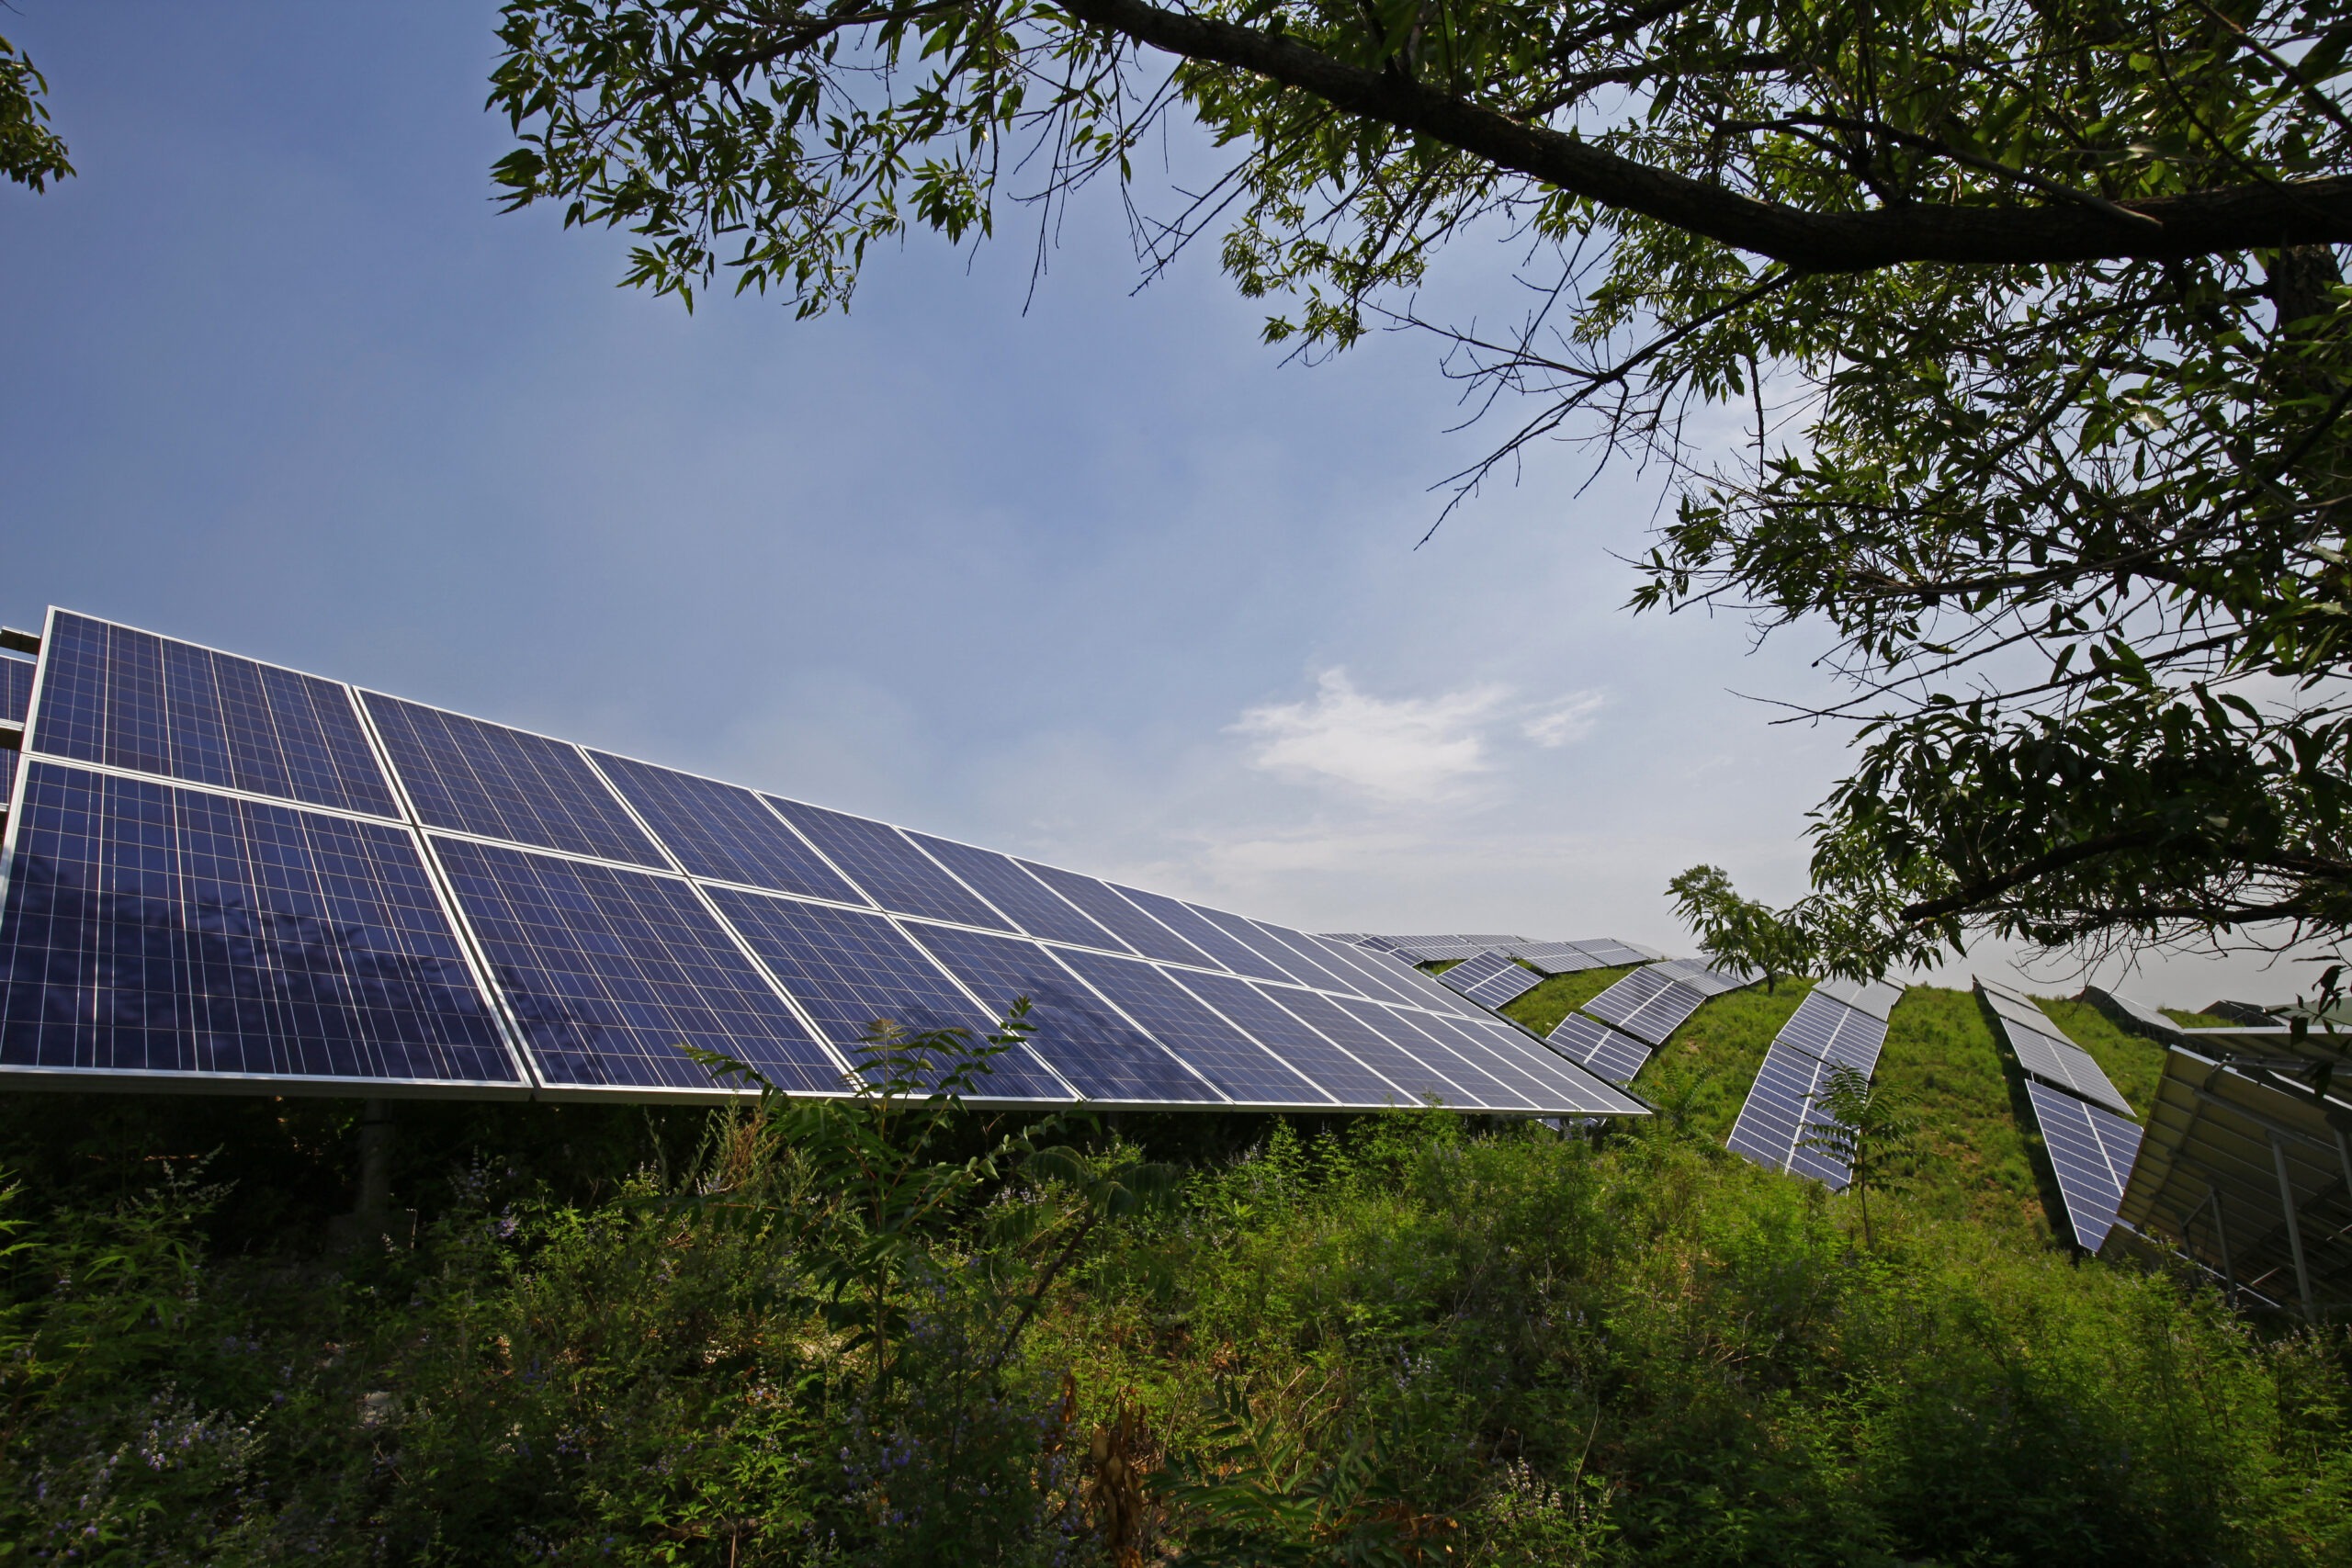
<point>1565,721</point>
<point>1404,750</point>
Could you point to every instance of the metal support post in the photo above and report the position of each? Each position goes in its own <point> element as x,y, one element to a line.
<point>2294,1232</point>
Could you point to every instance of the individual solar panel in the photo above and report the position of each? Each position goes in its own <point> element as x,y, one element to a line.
<point>893,872</point>
<point>1467,1067</point>
<point>129,699</point>
<point>475,777</point>
<point>1506,986</point>
<point>1415,987</point>
<point>1031,905</point>
<point>1243,1071</point>
<point>1875,998</point>
<point>2041,1051</point>
<point>1362,939</point>
<point>1123,920</point>
<point>851,971</point>
<point>1557,957</point>
<point>1444,952</point>
<point>1411,1071</point>
<point>1780,1112</point>
<point>1699,977</point>
<point>156,929</point>
<point>16,688</point>
<point>722,833</point>
<point>1251,1007</point>
<point>1224,949</point>
<point>1646,1004</point>
<point>1466,977</point>
<point>1829,1031</point>
<point>1592,1044</point>
<point>1612,953</point>
<point>1098,1053</point>
<point>2091,1152</point>
<point>610,975</point>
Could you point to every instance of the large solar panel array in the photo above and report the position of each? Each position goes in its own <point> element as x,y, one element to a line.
<point>1837,1024</point>
<point>2086,1124</point>
<point>221,872</point>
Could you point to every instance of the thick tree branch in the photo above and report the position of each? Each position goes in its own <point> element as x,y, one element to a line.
<point>2233,220</point>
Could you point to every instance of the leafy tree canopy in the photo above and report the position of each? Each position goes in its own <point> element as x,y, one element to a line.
<point>2035,310</point>
<point>31,153</point>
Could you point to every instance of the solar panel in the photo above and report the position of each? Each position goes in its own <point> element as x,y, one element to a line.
<point>1612,953</point>
<point>157,931</point>
<point>1875,998</point>
<point>495,782</point>
<point>1253,1007</point>
<point>1278,960</point>
<point>1592,1044</point>
<point>610,974</point>
<point>1647,1004</point>
<point>1699,977</point>
<point>16,688</point>
<point>129,699</point>
<point>1444,952</point>
<point>1557,957</point>
<point>1098,1053</point>
<point>1578,1088</point>
<point>1510,983</point>
<point>1379,1048</point>
<point>850,971</point>
<point>1471,972</point>
<point>889,870</point>
<point>1029,902</point>
<point>1224,950</point>
<point>1368,971</point>
<point>1829,1031</point>
<point>1781,1110</point>
<point>1129,924</point>
<point>722,833</point>
<point>1243,1071</point>
<point>2033,1037</point>
<point>2091,1152</point>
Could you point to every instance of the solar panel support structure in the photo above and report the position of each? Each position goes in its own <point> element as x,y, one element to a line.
<point>2294,1230</point>
<point>16,641</point>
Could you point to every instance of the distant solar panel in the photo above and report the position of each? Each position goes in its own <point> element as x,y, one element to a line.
<point>1699,977</point>
<point>16,688</point>
<point>157,932</point>
<point>1443,951</point>
<point>610,974</point>
<point>129,699</point>
<point>723,833</point>
<point>480,778</point>
<point>1608,954</point>
<point>1476,971</point>
<point>1647,1004</point>
<point>2091,1153</point>
<point>1505,986</point>
<point>1592,1044</point>
<point>1557,957</point>
<point>886,867</point>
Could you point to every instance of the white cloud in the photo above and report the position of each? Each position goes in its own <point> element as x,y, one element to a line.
<point>1407,749</point>
<point>1567,720</point>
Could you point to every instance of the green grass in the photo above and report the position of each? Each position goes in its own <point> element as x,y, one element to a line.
<point>2132,1062</point>
<point>1701,1077</point>
<point>1977,1158</point>
<point>2189,1019</point>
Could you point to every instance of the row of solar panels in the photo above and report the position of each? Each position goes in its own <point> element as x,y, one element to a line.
<point>1838,1023</point>
<point>1549,957</point>
<point>1613,1034</point>
<point>2085,1123</point>
<point>223,871</point>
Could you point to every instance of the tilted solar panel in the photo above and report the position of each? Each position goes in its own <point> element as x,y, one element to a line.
<point>1255,1009</point>
<point>1592,1044</point>
<point>1027,902</point>
<point>1781,1112</point>
<point>1612,952</point>
<point>1504,986</point>
<point>1243,1071</point>
<point>1443,951</point>
<point>1225,951</point>
<point>16,688</point>
<point>610,972</point>
<point>1875,998</point>
<point>1382,976</point>
<point>885,867</point>
<point>1829,1031</point>
<point>1417,1072</point>
<point>1699,977</point>
<point>129,699</point>
<point>1474,972</point>
<point>2091,1153</point>
<point>1581,1090</point>
<point>472,777</point>
<point>852,971</point>
<point>722,833</point>
<point>2033,1037</point>
<point>1121,919</point>
<point>1097,1052</point>
<point>1272,959</point>
<point>1647,1004</point>
<point>157,930</point>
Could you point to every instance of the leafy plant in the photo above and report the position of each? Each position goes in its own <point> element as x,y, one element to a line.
<point>1868,1128</point>
<point>1740,934</point>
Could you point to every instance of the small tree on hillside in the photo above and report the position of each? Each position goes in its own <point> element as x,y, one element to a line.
<point>1868,1128</point>
<point>1739,934</point>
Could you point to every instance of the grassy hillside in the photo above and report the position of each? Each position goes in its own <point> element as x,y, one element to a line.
<point>2134,1063</point>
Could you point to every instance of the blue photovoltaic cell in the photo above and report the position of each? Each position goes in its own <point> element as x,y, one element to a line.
<point>1829,1031</point>
<point>129,699</point>
<point>1347,1080</point>
<point>1501,1053</point>
<point>1033,907</point>
<point>1647,1004</point>
<point>153,929</point>
<point>1589,1043</point>
<point>474,777</point>
<point>1505,986</point>
<point>2091,1152</point>
<point>1408,980</point>
<point>849,970</point>
<point>16,688</point>
<point>1779,1112</point>
<point>1577,1088</point>
<point>1129,924</point>
<point>1244,1072</point>
<point>1225,951</point>
<point>1289,951</point>
<point>1414,1079</point>
<point>1473,971</point>
<point>1100,1055</point>
<point>613,974</point>
<point>723,832</point>
<point>893,872</point>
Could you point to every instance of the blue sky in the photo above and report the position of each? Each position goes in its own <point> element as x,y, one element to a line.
<point>1101,580</point>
